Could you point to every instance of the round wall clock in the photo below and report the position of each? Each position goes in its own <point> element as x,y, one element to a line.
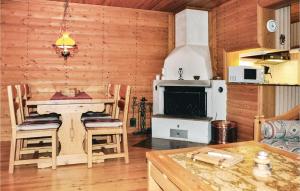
<point>272,25</point>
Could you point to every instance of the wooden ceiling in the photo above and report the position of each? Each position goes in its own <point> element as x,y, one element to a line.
<point>156,5</point>
<point>274,4</point>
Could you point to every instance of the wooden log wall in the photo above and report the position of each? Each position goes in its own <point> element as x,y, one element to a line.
<point>243,106</point>
<point>238,25</point>
<point>116,45</point>
<point>235,26</point>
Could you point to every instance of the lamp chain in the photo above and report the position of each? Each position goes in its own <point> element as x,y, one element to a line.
<point>64,20</point>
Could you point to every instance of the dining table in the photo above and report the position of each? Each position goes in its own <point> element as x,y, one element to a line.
<point>71,133</point>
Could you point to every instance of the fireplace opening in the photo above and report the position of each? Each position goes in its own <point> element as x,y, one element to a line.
<point>185,101</point>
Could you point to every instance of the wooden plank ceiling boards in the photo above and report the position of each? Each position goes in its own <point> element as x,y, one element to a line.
<point>274,4</point>
<point>155,5</point>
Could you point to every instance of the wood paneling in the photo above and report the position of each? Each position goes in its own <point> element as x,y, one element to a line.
<point>236,29</point>
<point>246,101</point>
<point>274,4</point>
<point>116,45</point>
<point>238,25</point>
<point>266,98</point>
<point>242,107</point>
<point>295,11</point>
<point>265,38</point>
<point>156,5</point>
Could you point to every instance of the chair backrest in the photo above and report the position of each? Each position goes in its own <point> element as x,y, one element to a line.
<point>26,97</point>
<point>112,92</point>
<point>27,91</point>
<point>22,100</point>
<point>123,103</point>
<point>14,106</point>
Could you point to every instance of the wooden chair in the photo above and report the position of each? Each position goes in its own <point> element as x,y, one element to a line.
<point>28,111</point>
<point>293,114</point>
<point>114,127</point>
<point>29,115</point>
<point>110,112</point>
<point>25,114</point>
<point>110,109</point>
<point>22,130</point>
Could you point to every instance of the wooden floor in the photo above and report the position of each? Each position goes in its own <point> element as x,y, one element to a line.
<point>112,175</point>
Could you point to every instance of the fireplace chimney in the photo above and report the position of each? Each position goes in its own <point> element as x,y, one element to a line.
<point>192,51</point>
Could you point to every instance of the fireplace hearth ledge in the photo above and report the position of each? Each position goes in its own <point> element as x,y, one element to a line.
<point>193,83</point>
<point>183,117</point>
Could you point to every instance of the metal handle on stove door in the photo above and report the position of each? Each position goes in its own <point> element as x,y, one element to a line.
<point>72,132</point>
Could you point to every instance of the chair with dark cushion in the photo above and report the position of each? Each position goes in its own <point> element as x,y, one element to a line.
<point>24,94</point>
<point>24,130</point>
<point>116,127</point>
<point>110,110</point>
<point>29,115</point>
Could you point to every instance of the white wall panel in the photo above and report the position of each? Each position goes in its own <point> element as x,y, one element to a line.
<point>287,97</point>
<point>282,17</point>
<point>295,34</point>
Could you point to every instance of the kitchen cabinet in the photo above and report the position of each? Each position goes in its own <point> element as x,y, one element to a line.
<point>239,25</point>
<point>288,26</point>
<point>282,34</point>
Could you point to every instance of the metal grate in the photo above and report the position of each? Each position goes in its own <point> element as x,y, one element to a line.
<point>185,101</point>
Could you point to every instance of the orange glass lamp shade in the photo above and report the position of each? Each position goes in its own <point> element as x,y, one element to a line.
<point>65,45</point>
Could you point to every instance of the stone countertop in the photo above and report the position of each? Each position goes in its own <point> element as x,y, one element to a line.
<point>261,84</point>
<point>240,177</point>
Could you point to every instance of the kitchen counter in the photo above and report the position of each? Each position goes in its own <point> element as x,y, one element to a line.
<point>263,84</point>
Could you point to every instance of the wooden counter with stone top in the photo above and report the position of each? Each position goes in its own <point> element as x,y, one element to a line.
<point>173,170</point>
<point>261,84</point>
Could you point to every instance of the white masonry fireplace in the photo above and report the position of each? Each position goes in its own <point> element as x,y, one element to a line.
<point>184,106</point>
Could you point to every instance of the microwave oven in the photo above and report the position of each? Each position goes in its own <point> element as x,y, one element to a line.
<point>245,74</point>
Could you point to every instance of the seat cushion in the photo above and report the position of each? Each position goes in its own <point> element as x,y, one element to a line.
<point>102,123</point>
<point>33,113</point>
<point>279,129</point>
<point>285,144</point>
<point>283,134</point>
<point>38,125</point>
<point>44,117</point>
<point>94,115</point>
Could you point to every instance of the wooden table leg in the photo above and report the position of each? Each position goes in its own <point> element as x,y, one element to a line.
<point>71,134</point>
<point>71,137</point>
